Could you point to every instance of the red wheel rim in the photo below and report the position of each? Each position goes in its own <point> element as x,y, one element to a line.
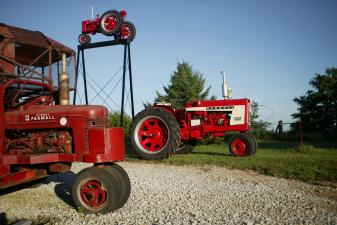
<point>153,135</point>
<point>126,31</point>
<point>110,22</point>
<point>83,38</point>
<point>93,194</point>
<point>239,147</point>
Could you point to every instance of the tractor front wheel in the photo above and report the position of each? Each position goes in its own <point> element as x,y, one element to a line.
<point>122,179</point>
<point>84,39</point>
<point>94,190</point>
<point>242,145</point>
<point>254,141</point>
<point>154,134</point>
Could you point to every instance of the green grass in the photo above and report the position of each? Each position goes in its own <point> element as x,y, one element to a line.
<point>317,165</point>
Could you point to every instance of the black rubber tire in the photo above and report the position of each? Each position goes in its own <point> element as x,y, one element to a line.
<point>110,186</point>
<point>132,29</point>
<point>86,37</point>
<point>172,126</point>
<point>123,179</point>
<point>248,141</point>
<point>254,141</point>
<point>117,28</point>
<point>186,147</point>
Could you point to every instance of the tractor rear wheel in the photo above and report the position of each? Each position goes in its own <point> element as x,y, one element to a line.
<point>110,22</point>
<point>122,179</point>
<point>94,190</point>
<point>154,134</point>
<point>186,147</point>
<point>242,144</point>
<point>128,31</point>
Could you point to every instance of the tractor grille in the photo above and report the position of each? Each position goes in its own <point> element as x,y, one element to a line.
<point>89,123</point>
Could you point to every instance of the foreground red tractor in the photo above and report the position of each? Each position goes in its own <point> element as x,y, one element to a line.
<point>162,130</point>
<point>41,134</point>
<point>111,23</point>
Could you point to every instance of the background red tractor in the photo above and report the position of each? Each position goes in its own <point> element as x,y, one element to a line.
<point>111,23</point>
<point>41,134</point>
<point>162,130</point>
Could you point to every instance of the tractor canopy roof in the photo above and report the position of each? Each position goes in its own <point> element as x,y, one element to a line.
<point>29,47</point>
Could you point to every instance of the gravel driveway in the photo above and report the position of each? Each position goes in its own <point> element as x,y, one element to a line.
<point>165,194</point>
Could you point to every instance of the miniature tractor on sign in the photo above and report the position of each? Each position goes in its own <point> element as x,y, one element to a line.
<point>111,23</point>
<point>41,134</point>
<point>162,130</point>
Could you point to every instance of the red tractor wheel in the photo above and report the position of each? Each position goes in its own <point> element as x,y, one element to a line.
<point>122,179</point>
<point>110,22</point>
<point>254,142</point>
<point>84,39</point>
<point>242,145</point>
<point>128,31</point>
<point>94,190</point>
<point>154,134</point>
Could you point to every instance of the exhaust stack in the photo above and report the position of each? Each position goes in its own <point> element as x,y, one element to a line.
<point>64,83</point>
<point>224,85</point>
<point>226,91</point>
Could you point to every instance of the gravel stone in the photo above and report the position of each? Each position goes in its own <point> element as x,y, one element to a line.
<point>166,194</point>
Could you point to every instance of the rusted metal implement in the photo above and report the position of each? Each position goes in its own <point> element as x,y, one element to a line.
<point>40,133</point>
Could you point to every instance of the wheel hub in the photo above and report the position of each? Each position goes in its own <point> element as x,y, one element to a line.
<point>110,23</point>
<point>125,32</point>
<point>93,194</point>
<point>239,147</point>
<point>153,134</point>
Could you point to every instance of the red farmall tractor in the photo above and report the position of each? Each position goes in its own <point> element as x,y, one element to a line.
<point>41,134</point>
<point>111,23</point>
<point>162,130</point>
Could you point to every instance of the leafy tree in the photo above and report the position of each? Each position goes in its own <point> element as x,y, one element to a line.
<point>114,121</point>
<point>317,109</point>
<point>185,85</point>
<point>259,128</point>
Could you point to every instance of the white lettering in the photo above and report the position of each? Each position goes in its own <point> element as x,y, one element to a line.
<point>39,117</point>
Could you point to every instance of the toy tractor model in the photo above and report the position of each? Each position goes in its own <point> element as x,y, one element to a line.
<point>111,23</point>
<point>41,134</point>
<point>162,130</point>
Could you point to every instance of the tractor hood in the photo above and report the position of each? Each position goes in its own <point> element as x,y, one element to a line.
<point>55,114</point>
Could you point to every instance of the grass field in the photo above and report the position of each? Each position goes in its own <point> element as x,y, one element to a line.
<point>316,164</point>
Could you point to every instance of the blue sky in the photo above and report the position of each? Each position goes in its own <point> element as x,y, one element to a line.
<point>268,49</point>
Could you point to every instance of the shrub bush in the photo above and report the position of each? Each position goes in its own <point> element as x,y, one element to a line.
<point>114,121</point>
<point>305,148</point>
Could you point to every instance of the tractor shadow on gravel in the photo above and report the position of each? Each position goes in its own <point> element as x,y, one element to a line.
<point>27,185</point>
<point>62,188</point>
<point>63,185</point>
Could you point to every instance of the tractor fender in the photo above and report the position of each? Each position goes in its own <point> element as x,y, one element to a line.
<point>166,106</point>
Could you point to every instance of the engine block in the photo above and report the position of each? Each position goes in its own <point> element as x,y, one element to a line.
<point>34,141</point>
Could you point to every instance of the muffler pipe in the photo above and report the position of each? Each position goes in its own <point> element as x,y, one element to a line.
<point>64,82</point>
<point>224,86</point>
